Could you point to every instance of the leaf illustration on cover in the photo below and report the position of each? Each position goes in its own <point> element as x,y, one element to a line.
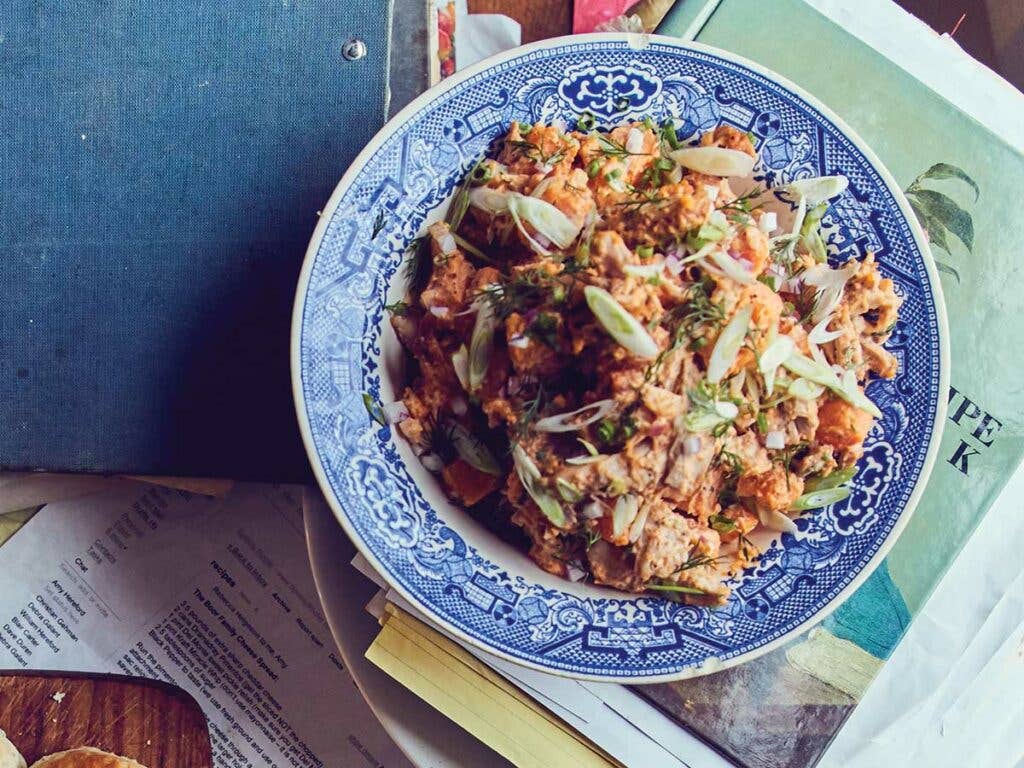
<point>940,215</point>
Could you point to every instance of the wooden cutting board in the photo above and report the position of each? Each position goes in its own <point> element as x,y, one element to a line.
<point>157,724</point>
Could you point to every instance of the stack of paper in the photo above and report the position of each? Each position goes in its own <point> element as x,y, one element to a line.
<point>491,697</point>
<point>450,679</point>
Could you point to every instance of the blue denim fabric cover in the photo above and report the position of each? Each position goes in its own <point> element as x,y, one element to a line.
<point>161,169</point>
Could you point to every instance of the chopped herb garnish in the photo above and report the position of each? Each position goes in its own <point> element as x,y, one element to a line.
<point>531,408</point>
<point>734,462</point>
<point>373,409</point>
<point>397,308</point>
<point>668,134</point>
<point>640,197</point>
<point>739,210</point>
<point>378,224</point>
<point>676,588</point>
<point>534,152</point>
<point>698,561</point>
<point>645,251</point>
<point>593,168</point>
<point>481,174</point>
<point>522,292</point>
<point>544,328</point>
<point>785,458</point>
<point>612,148</point>
<point>417,264</point>
<point>762,423</point>
<point>722,524</point>
<point>586,122</point>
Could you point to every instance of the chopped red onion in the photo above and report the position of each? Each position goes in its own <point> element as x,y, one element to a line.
<point>635,141</point>
<point>432,462</point>
<point>395,412</point>
<point>776,521</point>
<point>459,406</point>
<point>768,223</point>
<point>593,510</point>
<point>673,265</point>
<point>575,573</point>
<point>692,445</point>
<point>637,526</point>
<point>541,240</point>
<point>519,341</point>
<point>747,264</point>
<point>439,311</point>
<point>776,440</point>
<point>447,244</point>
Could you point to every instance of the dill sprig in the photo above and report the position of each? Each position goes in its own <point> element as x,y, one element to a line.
<point>534,152</point>
<point>695,315</point>
<point>731,460</point>
<point>440,439</point>
<point>519,293</point>
<point>531,408</point>
<point>417,264</point>
<point>698,561</point>
<point>531,289</point>
<point>745,203</point>
<point>688,321</point>
<point>784,457</point>
<point>378,224</point>
<point>641,197</point>
<point>611,148</point>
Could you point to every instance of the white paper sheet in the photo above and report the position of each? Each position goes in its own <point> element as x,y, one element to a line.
<point>214,595</point>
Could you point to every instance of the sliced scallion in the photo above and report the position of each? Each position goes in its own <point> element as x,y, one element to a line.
<point>620,325</point>
<point>819,189</point>
<point>569,492</point>
<point>460,361</point>
<point>833,480</point>
<point>821,498</point>
<point>529,474</point>
<point>472,450</point>
<point>578,419</point>
<point>803,389</point>
<point>731,267</point>
<point>728,345</point>
<point>714,161</point>
<point>480,345</point>
<point>546,220</point>
<point>772,357</point>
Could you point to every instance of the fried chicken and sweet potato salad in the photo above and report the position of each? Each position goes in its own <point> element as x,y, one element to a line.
<point>612,346</point>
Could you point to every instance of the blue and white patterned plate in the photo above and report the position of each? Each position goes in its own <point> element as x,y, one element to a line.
<point>476,586</point>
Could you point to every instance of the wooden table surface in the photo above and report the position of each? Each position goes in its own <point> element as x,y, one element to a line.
<point>154,723</point>
<point>539,18</point>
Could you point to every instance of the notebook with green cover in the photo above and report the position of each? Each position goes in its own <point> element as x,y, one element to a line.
<point>955,173</point>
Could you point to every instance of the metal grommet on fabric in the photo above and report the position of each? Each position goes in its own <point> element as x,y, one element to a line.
<point>353,49</point>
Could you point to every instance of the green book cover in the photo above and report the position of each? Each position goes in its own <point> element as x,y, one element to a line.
<point>955,173</point>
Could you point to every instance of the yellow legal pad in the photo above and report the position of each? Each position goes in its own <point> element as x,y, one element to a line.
<point>458,685</point>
